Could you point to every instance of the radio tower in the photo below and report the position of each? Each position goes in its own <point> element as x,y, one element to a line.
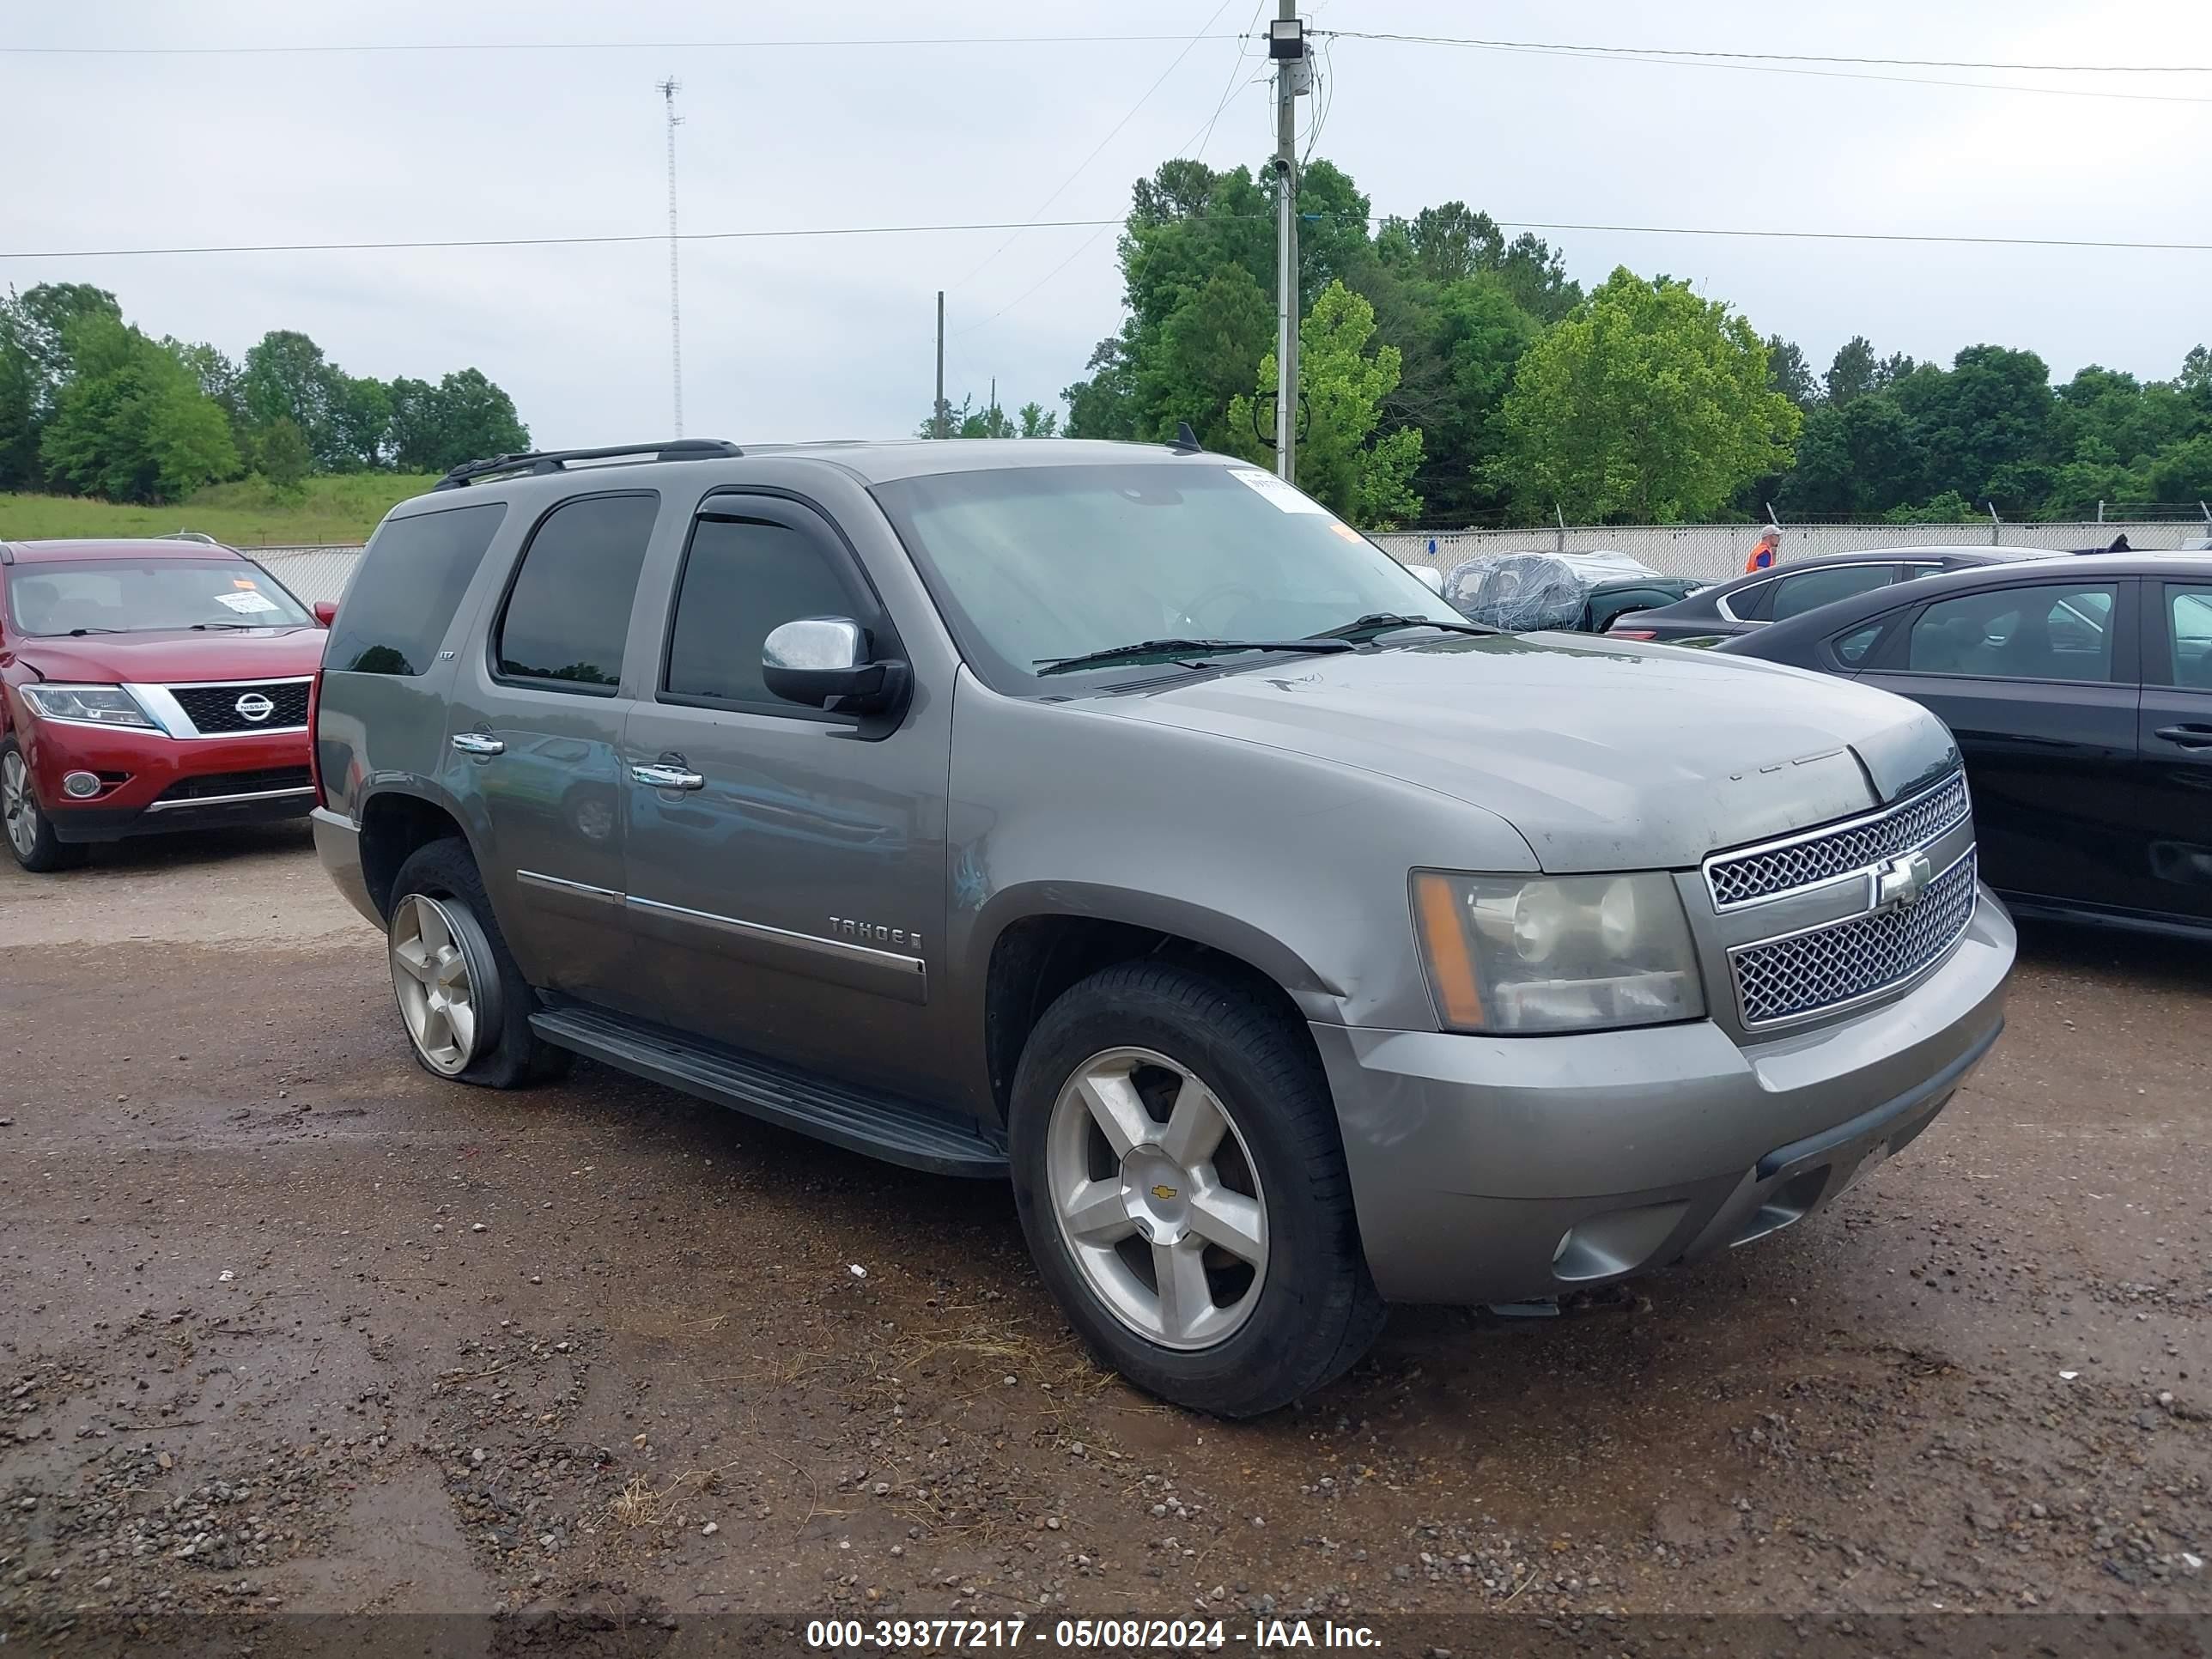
<point>669,89</point>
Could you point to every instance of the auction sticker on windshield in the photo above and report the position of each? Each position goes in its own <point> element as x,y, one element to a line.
<point>1286,498</point>
<point>245,603</point>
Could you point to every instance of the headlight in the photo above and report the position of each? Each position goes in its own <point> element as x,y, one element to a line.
<point>1521,954</point>
<point>89,705</point>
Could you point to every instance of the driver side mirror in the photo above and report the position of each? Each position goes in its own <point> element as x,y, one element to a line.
<point>326,611</point>
<point>825,662</point>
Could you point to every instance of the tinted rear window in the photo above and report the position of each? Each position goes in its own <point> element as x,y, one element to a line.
<point>409,584</point>
<point>1796,595</point>
<point>568,613</point>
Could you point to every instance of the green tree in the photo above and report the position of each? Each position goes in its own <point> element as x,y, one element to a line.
<point>1364,474</point>
<point>1452,241</point>
<point>1852,372</point>
<point>1208,349</point>
<point>132,423</point>
<point>465,418</point>
<point>35,362</point>
<point>1036,421</point>
<point>966,421</point>
<point>286,377</point>
<point>361,422</point>
<point>1648,403</point>
<point>1789,373</point>
<point>1984,427</point>
<point>286,459</point>
<point>1855,456</point>
<point>1460,343</point>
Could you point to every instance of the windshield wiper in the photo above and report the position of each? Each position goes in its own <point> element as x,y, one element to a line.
<point>1114,653</point>
<point>1383,622</point>
<point>201,628</point>
<point>79,633</point>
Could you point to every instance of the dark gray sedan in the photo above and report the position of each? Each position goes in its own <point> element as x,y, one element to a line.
<point>1790,590</point>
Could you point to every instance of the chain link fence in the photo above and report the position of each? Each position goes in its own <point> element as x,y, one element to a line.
<point>314,573</point>
<point>1713,552</point>
<point>1706,552</point>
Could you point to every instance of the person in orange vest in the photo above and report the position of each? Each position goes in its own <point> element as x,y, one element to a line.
<point>1763,556</point>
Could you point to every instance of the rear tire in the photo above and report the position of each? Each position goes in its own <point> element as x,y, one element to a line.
<point>1180,1176</point>
<point>28,831</point>
<point>463,1003</point>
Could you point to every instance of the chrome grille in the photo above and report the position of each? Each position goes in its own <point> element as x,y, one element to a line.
<point>1763,872</point>
<point>1828,967</point>
<point>213,708</point>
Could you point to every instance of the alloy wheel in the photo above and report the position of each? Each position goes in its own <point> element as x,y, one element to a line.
<point>1157,1198</point>
<point>19,806</point>
<point>431,976</point>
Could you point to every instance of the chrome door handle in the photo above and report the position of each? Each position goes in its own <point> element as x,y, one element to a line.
<point>479,742</point>
<point>667,777</point>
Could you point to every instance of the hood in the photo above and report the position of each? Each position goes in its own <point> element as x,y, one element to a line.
<point>172,656</point>
<point>1604,755</point>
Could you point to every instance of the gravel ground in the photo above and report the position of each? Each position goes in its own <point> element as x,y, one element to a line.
<point>292,1325</point>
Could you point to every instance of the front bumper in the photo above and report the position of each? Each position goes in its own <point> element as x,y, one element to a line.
<point>153,782</point>
<point>1505,1170</point>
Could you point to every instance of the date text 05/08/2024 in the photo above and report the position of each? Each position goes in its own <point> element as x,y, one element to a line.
<point>1111,1635</point>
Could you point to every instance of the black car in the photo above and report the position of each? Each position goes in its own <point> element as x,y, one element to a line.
<point>1790,590</point>
<point>2080,693</point>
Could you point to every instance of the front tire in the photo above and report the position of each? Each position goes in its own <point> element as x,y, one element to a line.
<point>29,831</point>
<point>462,1002</point>
<point>1180,1176</point>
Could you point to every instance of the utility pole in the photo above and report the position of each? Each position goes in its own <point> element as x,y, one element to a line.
<point>669,89</point>
<point>1287,45</point>
<point>936,409</point>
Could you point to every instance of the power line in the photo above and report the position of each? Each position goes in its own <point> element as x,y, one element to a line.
<point>335,48</point>
<point>1228,88</point>
<point>1626,55</point>
<point>1781,57</point>
<point>549,241</point>
<point>1229,93</point>
<point>810,231</point>
<point>1868,236</point>
<point>338,48</point>
<point>1112,133</point>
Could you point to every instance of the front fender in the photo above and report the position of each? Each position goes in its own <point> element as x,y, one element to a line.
<point>1293,864</point>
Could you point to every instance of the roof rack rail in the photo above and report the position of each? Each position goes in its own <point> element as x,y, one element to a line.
<point>556,460</point>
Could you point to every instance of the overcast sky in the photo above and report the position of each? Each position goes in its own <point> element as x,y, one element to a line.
<point>832,337</point>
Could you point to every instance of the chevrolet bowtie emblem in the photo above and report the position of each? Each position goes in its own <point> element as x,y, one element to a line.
<point>1898,884</point>
<point>1163,1193</point>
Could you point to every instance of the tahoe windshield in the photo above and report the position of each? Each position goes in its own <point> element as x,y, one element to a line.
<point>1038,566</point>
<point>137,596</point>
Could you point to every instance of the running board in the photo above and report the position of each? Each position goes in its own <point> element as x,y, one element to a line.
<point>884,1126</point>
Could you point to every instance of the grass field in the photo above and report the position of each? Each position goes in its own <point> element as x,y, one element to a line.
<point>245,514</point>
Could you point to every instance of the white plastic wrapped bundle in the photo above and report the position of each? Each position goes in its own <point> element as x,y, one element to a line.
<point>1519,592</point>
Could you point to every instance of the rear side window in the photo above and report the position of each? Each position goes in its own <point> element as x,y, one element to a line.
<point>1854,646</point>
<point>2189,635</point>
<point>743,579</point>
<point>567,613</point>
<point>409,584</point>
<point>1795,595</point>
<point>1750,604</point>
<point>2054,631</point>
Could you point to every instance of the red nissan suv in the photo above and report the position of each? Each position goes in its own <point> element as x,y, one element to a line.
<point>149,685</point>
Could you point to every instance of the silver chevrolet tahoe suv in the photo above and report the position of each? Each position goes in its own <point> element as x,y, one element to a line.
<point>1116,820</point>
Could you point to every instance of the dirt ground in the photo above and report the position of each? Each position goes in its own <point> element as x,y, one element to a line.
<point>289,1324</point>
